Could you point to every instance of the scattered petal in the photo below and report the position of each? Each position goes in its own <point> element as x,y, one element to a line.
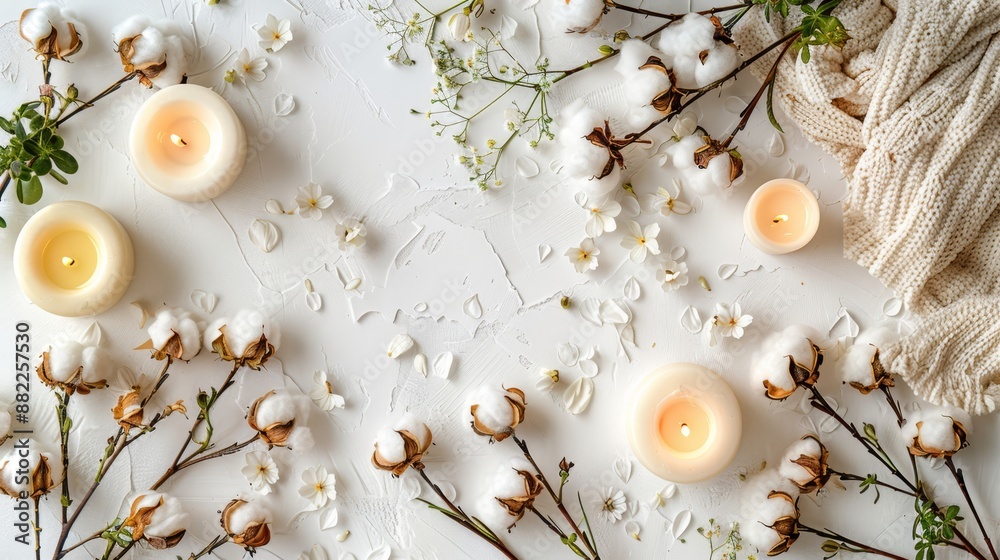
<point>632,530</point>
<point>591,311</point>
<point>352,285</point>
<point>627,334</point>
<point>526,167</point>
<point>420,364</point>
<point>409,489</point>
<point>588,367</point>
<point>568,354</point>
<point>264,235</point>
<point>443,364</point>
<point>777,145</point>
<point>677,253</point>
<point>399,345</point>
<point>691,320</point>
<point>630,206</point>
<point>543,252</point>
<point>578,395</point>
<point>726,271</point>
<point>446,488</point>
<point>472,307</point>
<point>284,104</point>
<point>892,307</point>
<point>632,290</point>
<point>203,300</point>
<point>580,198</point>
<point>144,313</point>
<point>845,325</point>
<point>613,313</point>
<point>382,552</point>
<point>314,301</point>
<point>681,523</point>
<point>274,207</point>
<point>420,307</point>
<point>623,468</point>
<point>329,519</point>
<point>92,336</point>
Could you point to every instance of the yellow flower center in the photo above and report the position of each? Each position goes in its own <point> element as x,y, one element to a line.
<point>583,256</point>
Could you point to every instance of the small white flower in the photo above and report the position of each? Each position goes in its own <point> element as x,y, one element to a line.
<point>459,24</point>
<point>584,257</point>
<point>611,504</point>
<point>641,241</point>
<point>513,118</point>
<point>351,233</point>
<point>665,202</point>
<point>274,34</point>
<point>311,201</point>
<point>322,393</point>
<point>602,217</point>
<point>250,67</point>
<point>672,275</point>
<point>318,486</point>
<point>730,321</point>
<point>260,471</point>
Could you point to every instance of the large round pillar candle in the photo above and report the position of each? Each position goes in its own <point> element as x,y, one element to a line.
<point>782,216</point>
<point>73,259</point>
<point>684,423</point>
<point>187,143</point>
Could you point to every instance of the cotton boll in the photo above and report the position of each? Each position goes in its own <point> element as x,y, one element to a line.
<point>155,43</point>
<point>96,364</point>
<point>856,363</point>
<point>415,426</point>
<point>65,359</point>
<point>577,16</point>
<point>168,519</point>
<point>771,366</point>
<point>684,43</point>
<point>792,471</point>
<point>508,482</point>
<point>247,513</point>
<point>390,445</point>
<point>640,88</point>
<point>582,160</point>
<point>935,427</point>
<point>759,512</point>
<point>719,62</point>
<point>494,410</point>
<point>244,329</point>
<point>177,321</point>
<point>633,54</point>
<point>213,331</point>
<point>713,180</point>
<point>300,440</point>
<point>277,408</point>
<point>129,28</point>
<point>39,23</point>
<point>177,63</point>
<point>493,514</point>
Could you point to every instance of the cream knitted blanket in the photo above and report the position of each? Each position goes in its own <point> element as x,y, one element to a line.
<point>910,107</point>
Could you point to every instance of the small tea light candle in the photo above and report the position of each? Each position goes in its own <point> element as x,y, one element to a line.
<point>684,423</point>
<point>73,259</point>
<point>782,216</point>
<point>187,143</point>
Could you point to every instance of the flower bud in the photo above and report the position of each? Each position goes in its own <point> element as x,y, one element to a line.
<point>248,339</point>
<point>246,523</point>
<point>496,413</point>
<point>402,447</point>
<point>75,368</point>
<point>51,31</point>
<point>38,481</point>
<point>806,464</point>
<point>459,24</point>
<point>157,519</point>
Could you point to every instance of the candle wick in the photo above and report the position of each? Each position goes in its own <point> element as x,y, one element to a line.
<point>68,262</point>
<point>685,430</point>
<point>780,218</point>
<point>177,140</point>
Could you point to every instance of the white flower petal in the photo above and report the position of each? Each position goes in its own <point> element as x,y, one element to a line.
<point>420,364</point>
<point>591,311</point>
<point>399,345</point>
<point>568,354</point>
<point>691,320</point>
<point>623,468</point>
<point>264,235</point>
<point>578,395</point>
<point>443,364</point>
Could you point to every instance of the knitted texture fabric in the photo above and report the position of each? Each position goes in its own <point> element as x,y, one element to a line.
<point>910,107</point>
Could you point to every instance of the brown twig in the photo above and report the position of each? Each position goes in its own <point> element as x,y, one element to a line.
<point>38,531</point>
<point>960,479</point>
<point>858,478</point>
<point>672,17</point>
<point>768,81</point>
<point>210,547</point>
<point>555,498</point>
<point>827,534</point>
<point>90,103</point>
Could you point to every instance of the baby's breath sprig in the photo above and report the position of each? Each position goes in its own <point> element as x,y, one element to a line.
<point>727,543</point>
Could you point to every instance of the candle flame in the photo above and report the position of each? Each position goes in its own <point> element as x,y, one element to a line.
<point>177,140</point>
<point>780,218</point>
<point>685,430</point>
<point>68,262</point>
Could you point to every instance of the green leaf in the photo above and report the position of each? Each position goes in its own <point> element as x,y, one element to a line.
<point>6,126</point>
<point>37,122</point>
<point>770,107</point>
<point>65,161</point>
<point>3,223</point>
<point>15,168</point>
<point>58,177</point>
<point>31,194</point>
<point>805,54</point>
<point>42,166</point>
<point>32,147</point>
<point>18,190</point>
<point>19,130</point>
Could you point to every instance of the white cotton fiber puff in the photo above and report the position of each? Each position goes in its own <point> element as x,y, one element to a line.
<point>300,439</point>
<point>640,88</point>
<point>242,330</point>
<point>582,160</point>
<point>508,482</point>
<point>856,364</point>
<point>276,408</point>
<point>390,445</point>
<point>494,410</point>
<point>168,518</point>
<point>39,23</point>
<point>759,512</point>
<point>415,426</point>
<point>157,42</point>
<point>13,482</point>
<point>180,321</point>
<point>633,54</point>
<point>247,513</point>
<point>937,427</point>
<point>493,513</point>
<point>793,472</point>
<point>65,359</point>
<point>713,180</point>
<point>691,49</point>
<point>96,364</point>
<point>770,362</point>
<point>576,16</point>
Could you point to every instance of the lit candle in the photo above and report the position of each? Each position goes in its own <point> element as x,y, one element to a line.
<point>73,259</point>
<point>684,423</point>
<point>187,143</point>
<point>782,216</point>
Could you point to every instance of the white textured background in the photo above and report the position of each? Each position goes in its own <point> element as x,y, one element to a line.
<point>433,240</point>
